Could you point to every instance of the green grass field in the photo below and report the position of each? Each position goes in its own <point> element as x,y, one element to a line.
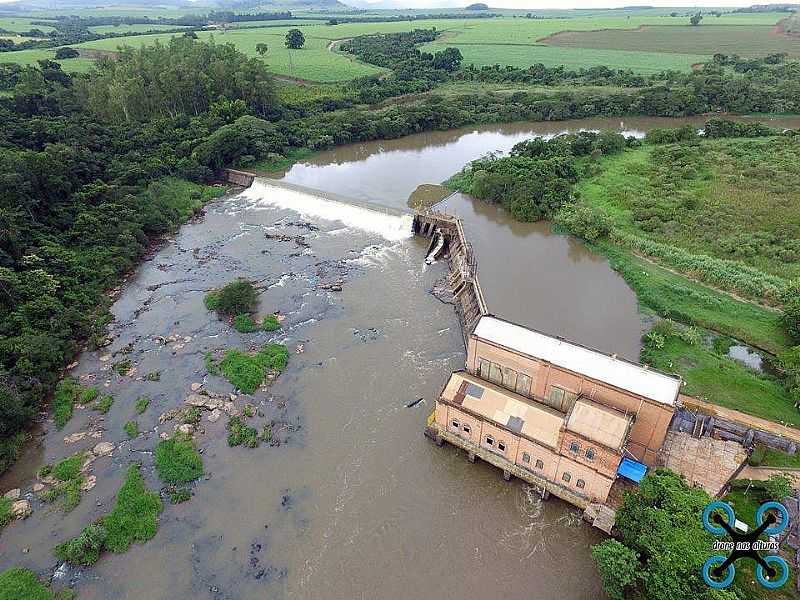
<point>732,198</point>
<point>20,24</point>
<point>744,40</point>
<point>130,28</point>
<point>29,57</point>
<point>508,40</point>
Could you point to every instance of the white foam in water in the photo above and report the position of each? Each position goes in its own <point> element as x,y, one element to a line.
<point>390,227</point>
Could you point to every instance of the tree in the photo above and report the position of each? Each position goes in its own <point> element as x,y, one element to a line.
<point>695,20</point>
<point>190,34</point>
<point>618,566</point>
<point>791,318</point>
<point>778,486</point>
<point>448,59</point>
<point>295,39</point>
<point>66,52</point>
<point>662,523</point>
<point>262,48</point>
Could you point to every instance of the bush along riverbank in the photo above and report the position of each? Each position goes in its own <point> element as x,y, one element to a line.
<point>704,228</point>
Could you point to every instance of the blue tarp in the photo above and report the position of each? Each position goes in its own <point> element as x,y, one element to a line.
<point>632,470</point>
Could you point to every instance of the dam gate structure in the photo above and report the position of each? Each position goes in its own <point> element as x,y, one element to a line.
<point>448,239</point>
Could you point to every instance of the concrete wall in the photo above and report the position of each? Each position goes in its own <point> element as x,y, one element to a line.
<point>651,419</point>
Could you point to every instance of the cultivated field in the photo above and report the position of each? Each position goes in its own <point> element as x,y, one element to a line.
<point>29,57</point>
<point>122,28</point>
<point>744,40</point>
<point>511,40</point>
<point>20,24</point>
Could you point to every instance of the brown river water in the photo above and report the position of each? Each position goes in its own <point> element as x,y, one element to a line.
<point>353,502</point>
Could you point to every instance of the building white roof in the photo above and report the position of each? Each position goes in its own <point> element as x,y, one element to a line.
<point>591,363</point>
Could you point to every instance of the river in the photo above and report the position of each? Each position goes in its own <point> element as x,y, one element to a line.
<point>353,502</point>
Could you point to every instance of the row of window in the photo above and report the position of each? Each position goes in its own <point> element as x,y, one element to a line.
<point>575,448</point>
<point>559,398</point>
<point>505,377</point>
<point>526,457</point>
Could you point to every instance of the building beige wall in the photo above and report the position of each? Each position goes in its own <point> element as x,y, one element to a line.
<point>537,452</point>
<point>652,419</point>
<point>499,436</point>
<point>605,460</point>
<point>468,428</point>
<point>596,486</point>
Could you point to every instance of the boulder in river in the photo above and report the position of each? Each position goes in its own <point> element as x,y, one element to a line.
<point>13,494</point>
<point>21,509</point>
<point>103,449</point>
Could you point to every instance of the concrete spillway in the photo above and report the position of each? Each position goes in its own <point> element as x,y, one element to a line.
<point>389,223</point>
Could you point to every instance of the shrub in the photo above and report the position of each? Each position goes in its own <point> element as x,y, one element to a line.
<point>177,461</point>
<point>132,429</point>
<point>270,323</point>
<point>791,317</point>
<point>246,372</point>
<point>211,364</point>
<point>104,404</point>
<point>153,376</point>
<point>236,298</point>
<point>179,495</point>
<point>18,584</point>
<point>6,516</point>
<point>244,324</point>
<point>64,401</point>
<point>690,335</point>
<point>142,402</point>
<point>123,366</point>
<point>584,221</point>
<point>191,415</point>
<point>69,468</point>
<point>211,300</point>
<point>241,434</point>
<point>89,395</point>
<point>135,514</point>
<point>778,486</point>
<point>71,492</point>
<point>84,549</point>
<point>757,456</point>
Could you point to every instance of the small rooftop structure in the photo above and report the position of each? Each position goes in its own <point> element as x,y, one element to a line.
<point>630,469</point>
<point>599,423</point>
<point>515,412</point>
<point>615,371</point>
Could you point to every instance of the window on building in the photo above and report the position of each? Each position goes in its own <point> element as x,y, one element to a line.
<point>483,368</point>
<point>569,401</point>
<point>556,397</point>
<point>509,378</point>
<point>454,423</point>
<point>566,477</point>
<point>574,447</point>
<point>523,385</point>
<point>501,446</point>
<point>495,374</point>
<point>466,428</point>
<point>526,458</point>
<point>540,464</point>
<point>490,440</point>
<point>589,454</point>
<point>580,484</point>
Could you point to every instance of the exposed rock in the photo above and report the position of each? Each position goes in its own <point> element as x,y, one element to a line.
<point>185,428</point>
<point>196,386</point>
<point>300,348</point>
<point>163,435</point>
<point>38,487</point>
<point>214,415</point>
<point>21,509</point>
<point>72,365</point>
<point>103,449</point>
<point>230,409</point>
<point>88,463</point>
<point>49,480</point>
<point>89,483</point>
<point>75,437</point>
<point>203,401</point>
<point>13,494</point>
<point>105,358</point>
<point>169,415</point>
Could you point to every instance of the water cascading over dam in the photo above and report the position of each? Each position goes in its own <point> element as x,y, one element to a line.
<point>389,223</point>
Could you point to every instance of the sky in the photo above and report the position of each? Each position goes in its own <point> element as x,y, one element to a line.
<point>541,4</point>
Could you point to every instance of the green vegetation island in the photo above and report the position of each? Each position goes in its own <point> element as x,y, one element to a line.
<point>117,123</point>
